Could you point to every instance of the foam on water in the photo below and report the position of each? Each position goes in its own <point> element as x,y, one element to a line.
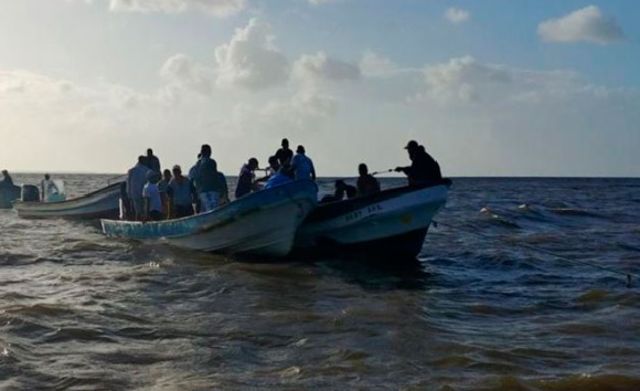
<point>485,307</point>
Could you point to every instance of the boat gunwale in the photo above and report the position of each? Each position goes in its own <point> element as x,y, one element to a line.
<point>334,209</point>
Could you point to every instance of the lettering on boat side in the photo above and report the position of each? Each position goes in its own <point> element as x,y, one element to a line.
<point>368,211</point>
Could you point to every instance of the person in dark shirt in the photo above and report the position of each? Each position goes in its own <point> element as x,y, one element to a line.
<point>152,161</point>
<point>342,189</point>
<point>206,180</point>
<point>424,169</point>
<point>7,181</point>
<point>180,191</point>
<point>284,154</point>
<point>367,184</point>
<point>246,178</point>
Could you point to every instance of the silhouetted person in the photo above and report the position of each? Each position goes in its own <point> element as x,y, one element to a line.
<point>424,169</point>
<point>180,192</point>
<point>274,166</point>
<point>207,181</point>
<point>246,178</point>
<point>302,165</point>
<point>284,154</point>
<point>342,190</point>
<point>136,178</point>
<point>7,181</point>
<point>367,183</point>
<point>152,161</point>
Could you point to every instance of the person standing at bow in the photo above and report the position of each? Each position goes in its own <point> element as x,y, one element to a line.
<point>424,169</point>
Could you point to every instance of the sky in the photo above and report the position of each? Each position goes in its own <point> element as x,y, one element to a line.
<point>491,88</point>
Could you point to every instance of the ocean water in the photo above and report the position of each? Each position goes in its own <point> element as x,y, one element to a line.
<point>505,296</point>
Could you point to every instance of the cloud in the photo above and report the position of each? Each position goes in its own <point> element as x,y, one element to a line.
<point>457,15</point>
<point>321,2</point>
<point>584,25</point>
<point>219,8</point>
<point>319,66</point>
<point>372,63</point>
<point>250,59</point>
<point>181,71</point>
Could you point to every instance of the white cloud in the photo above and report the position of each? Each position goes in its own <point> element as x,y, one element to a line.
<point>319,66</point>
<point>181,71</point>
<point>251,59</point>
<point>372,63</point>
<point>321,2</point>
<point>457,15</point>
<point>219,8</point>
<point>587,25</point>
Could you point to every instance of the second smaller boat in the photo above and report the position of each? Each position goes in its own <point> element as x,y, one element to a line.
<point>98,204</point>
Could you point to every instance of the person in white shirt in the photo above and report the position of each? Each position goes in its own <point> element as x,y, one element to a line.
<point>49,188</point>
<point>152,198</point>
<point>302,165</point>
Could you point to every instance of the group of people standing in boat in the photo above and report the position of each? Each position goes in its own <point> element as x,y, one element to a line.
<point>152,194</point>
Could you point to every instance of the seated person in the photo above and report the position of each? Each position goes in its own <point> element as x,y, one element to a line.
<point>367,183</point>
<point>342,190</point>
<point>273,168</point>
<point>246,178</point>
<point>152,199</point>
<point>284,175</point>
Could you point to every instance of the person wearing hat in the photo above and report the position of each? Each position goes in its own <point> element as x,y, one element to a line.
<point>152,197</point>
<point>424,169</point>
<point>302,165</point>
<point>136,178</point>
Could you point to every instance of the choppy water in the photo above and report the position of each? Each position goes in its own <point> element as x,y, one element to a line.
<point>485,308</point>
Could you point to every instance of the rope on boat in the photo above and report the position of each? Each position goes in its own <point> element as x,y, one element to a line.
<point>627,275</point>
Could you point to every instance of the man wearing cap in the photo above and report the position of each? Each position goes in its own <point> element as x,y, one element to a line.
<point>424,169</point>
<point>302,165</point>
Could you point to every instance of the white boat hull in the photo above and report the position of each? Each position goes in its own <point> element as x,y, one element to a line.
<point>263,223</point>
<point>101,203</point>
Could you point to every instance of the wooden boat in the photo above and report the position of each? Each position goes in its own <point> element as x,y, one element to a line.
<point>9,194</point>
<point>261,223</point>
<point>391,223</point>
<point>98,204</point>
